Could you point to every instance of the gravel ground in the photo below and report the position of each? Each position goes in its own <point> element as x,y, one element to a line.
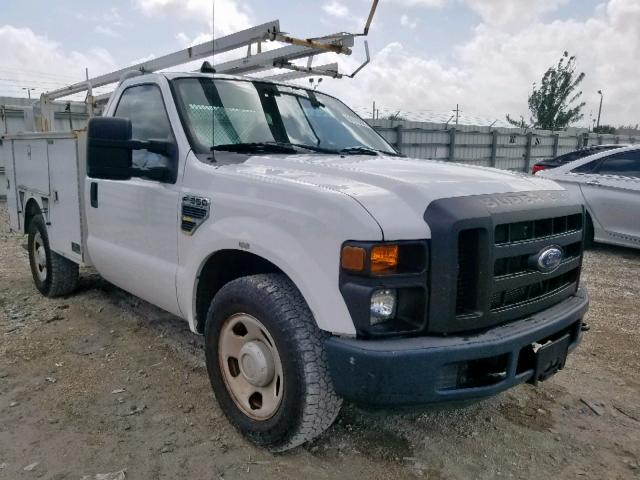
<point>102,382</point>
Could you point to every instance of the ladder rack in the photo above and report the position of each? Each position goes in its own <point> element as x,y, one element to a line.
<point>279,58</point>
<point>262,60</point>
<point>197,52</point>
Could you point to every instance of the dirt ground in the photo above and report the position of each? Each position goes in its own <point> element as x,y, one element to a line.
<point>102,382</point>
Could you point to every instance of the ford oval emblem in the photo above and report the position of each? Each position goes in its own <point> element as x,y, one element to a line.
<point>549,259</point>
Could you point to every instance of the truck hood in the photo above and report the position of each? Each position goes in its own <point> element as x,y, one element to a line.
<point>395,190</point>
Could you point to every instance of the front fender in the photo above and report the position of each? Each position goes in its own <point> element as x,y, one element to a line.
<point>311,261</point>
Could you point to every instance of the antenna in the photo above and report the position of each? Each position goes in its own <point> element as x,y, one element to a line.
<point>207,67</point>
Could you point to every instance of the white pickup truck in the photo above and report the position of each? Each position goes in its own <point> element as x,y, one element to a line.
<point>319,264</point>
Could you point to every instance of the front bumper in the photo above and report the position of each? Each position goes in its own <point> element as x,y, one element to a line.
<point>432,369</point>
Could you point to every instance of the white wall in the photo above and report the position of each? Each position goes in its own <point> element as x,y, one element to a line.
<point>506,148</point>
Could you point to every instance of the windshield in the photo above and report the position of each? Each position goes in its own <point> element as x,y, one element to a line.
<point>222,113</point>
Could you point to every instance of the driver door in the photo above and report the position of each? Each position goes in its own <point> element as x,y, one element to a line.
<point>133,224</point>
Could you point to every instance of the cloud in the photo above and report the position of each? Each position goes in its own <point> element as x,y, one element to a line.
<point>493,72</point>
<point>510,12</point>
<point>422,3</point>
<point>186,41</point>
<point>406,22</point>
<point>495,12</point>
<point>106,31</point>
<point>31,60</point>
<point>111,16</point>
<point>336,9</point>
<point>221,16</point>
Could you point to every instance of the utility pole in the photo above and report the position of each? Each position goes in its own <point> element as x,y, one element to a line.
<point>600,109</point>
<point>457,112</point>
<point>373,112</point>
<point>28,89</point>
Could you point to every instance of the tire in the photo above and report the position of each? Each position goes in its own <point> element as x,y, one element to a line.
<point>53,274</point>
<point>308,404</point>
<point>588,233</point>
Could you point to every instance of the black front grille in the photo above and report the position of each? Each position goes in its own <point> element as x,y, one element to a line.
<point>520,263</point>
<point>534,229</point>
<point>516,286</point>
<point>485,252</point>
<point>467,281</point>
<point>534,291</point>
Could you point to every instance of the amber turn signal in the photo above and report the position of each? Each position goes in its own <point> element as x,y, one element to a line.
<point>353,258</point>
<point>384,259</point>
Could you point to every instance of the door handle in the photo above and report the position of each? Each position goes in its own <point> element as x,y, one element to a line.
<point>94,194</point>
<point>593,183</point>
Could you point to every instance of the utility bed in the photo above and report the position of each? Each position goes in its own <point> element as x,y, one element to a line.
<point>48,167</point>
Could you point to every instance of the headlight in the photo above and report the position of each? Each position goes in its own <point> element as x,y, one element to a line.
<point>385,286</point>
<point>383,305</point>
<point>378,259</point>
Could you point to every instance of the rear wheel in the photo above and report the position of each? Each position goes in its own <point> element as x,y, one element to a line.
<point>267,363</point>
<point>53,274</point>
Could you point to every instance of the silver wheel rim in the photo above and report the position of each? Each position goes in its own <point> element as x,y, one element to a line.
<point>251,366</point>
<point>40,257</point>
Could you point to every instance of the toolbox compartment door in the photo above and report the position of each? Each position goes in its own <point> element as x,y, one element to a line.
<point>31,164</point>
<point>65,233</point>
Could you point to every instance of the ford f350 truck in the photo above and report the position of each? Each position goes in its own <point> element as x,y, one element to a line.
<point>319,264</point>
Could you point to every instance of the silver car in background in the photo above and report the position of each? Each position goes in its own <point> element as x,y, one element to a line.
<point>609,184</point>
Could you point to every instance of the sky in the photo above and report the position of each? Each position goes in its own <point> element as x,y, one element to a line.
<point>427,56</point>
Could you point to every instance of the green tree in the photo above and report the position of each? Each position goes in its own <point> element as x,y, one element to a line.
<point>395,116</point>
<point>552,104</point>
<point>604,129</point>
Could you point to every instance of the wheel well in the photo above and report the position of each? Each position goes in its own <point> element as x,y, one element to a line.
<point>221,268</point>
<point>31,210</point>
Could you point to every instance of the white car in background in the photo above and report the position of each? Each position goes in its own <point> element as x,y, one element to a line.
<point>609,183</point>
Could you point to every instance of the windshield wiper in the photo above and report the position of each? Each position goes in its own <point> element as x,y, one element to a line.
<point>288,147</point>
<point>360,150</point>
<point>313,148</point>
<point>253,147</point>
<point>274,147</point>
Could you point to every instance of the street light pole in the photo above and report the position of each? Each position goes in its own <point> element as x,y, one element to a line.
<point>28,89</point>
<point>600,109</point>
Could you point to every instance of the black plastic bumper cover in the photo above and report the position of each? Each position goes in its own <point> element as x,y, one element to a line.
<point>407,371</point>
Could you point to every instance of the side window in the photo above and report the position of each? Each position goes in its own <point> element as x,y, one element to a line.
<point>143,105</point>
<point>567,157</point>
<point>586,168</point>
<point>626,164</point>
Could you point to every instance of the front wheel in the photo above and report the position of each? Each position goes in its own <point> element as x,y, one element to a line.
<point>267,363</point>
<point>53,274</point>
